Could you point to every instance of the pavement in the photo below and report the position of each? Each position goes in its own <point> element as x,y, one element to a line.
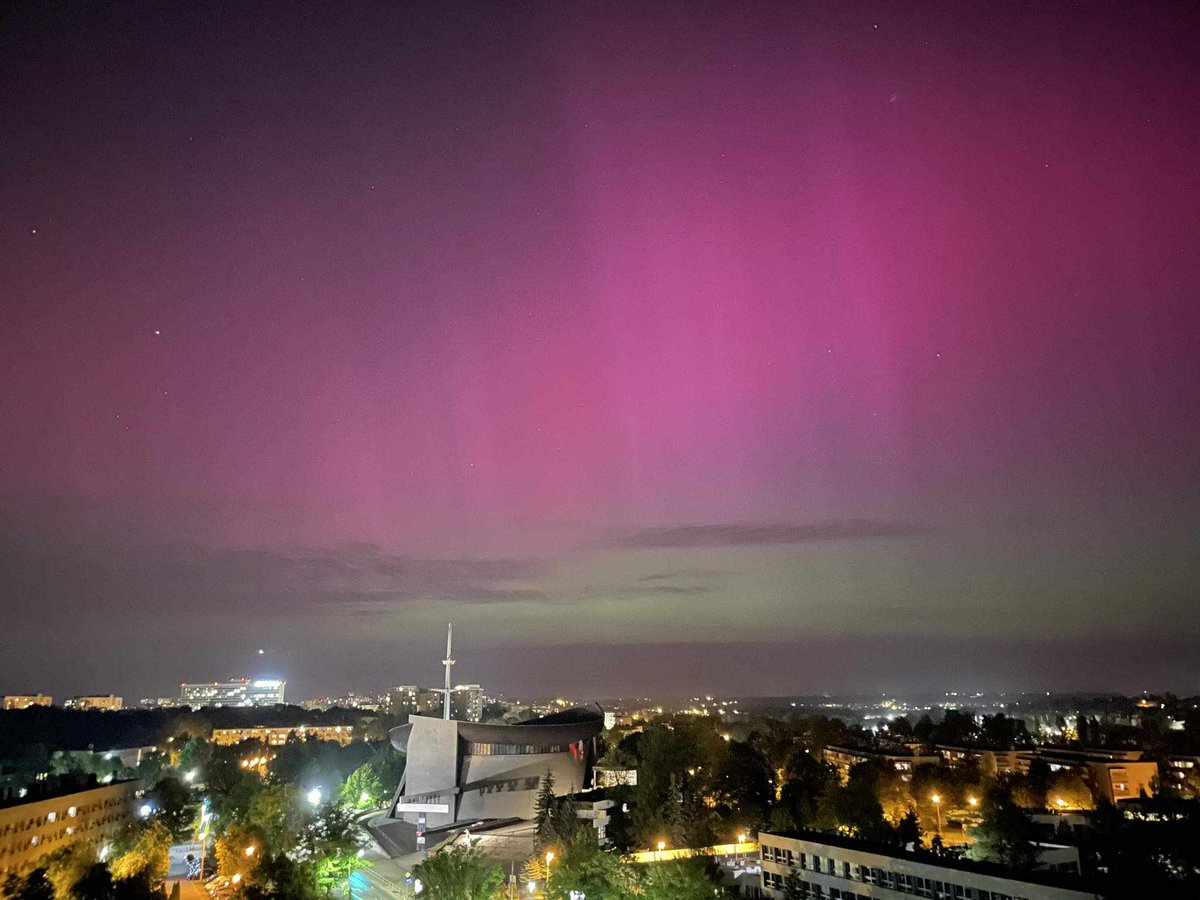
<point>188,890</point>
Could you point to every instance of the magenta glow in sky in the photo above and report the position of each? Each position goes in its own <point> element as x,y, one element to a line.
<point>655,335</point>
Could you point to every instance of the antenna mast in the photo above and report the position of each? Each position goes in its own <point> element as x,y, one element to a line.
<point>448,662</point>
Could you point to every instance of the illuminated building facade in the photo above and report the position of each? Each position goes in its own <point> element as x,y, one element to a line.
<point>239,692</point>
<point>24,701</point>
<point>101,702</point>
<point>31,828</point>
<point>275,737</point>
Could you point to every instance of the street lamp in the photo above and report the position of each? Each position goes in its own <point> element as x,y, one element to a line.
<point>251,850</point>
<point>937,804</point>
<point>973,801</point>
<point>662,845</point>
<point>314,796</point>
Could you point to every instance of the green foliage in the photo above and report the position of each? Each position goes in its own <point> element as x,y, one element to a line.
<point>230,849</point>
<point>276,813</point>
<point>1004,835</point>
<point>173,800</point>
<point>685,879</point>
<point>363,789</point>
<point>546,823</point>
<point>141,850</point>
<point>34,886</point>
<point>330,844</point>
<point>279,877</point>
<point>459,874</point>
<point>584,867</point>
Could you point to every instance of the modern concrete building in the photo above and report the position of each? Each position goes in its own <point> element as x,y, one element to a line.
<point>24,701</point>
<point>34,826</point>
<point>101,702</point>
<point>831,867</point>
<point>275,737</point>
<point>469,774</point>
<point>238,692</point>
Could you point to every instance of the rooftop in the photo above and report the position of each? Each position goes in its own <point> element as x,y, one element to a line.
<point>1052,879</point>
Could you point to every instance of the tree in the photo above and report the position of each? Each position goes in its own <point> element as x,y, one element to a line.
<point>546,814</point>
<point>743,784</point>
<point>142,850</point>
<point>684,879</point>
<point>1005,835</point>
<point>279,877</point>
<point>362,790</point>
<point>173,801</point>
<point>674,815</point>
<point>278,816</point>
<point>793,886</point>
<point>459,874</point>
<point>1069,791</point>
<point>908,830</point>
<point>239,849</point>
<point>582,867</point>
<point>34,886</point>
<point>332,843</point>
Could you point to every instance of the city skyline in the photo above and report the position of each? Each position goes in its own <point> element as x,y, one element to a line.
<point>663,349</point>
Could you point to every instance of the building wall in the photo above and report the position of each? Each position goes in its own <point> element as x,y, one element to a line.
<point>242,692</point>
<point>852,874</point>
<point>275,737</point>
<point>104,703</point>
<point>24,701</point>
<point>29,831</point>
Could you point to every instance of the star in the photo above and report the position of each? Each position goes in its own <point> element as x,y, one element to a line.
<point>157,332</point>
<point>33,231</point>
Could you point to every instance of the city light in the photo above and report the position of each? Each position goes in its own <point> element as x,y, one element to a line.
<point>251,850</point>
<point>314,796</point>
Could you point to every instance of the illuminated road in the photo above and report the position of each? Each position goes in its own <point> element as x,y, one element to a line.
<point>372,884</point>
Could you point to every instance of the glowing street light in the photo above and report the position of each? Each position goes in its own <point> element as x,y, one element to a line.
<point>662,845</point>
<point>314,796</point>
<point>237,877</point>
<point>251,850</point>
<point>972,801</point>
<point>937,804</point>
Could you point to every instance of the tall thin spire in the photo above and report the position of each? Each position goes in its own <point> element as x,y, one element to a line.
<point>448,662</point>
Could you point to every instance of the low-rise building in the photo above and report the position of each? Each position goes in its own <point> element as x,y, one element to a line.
<point>277,736</point>
<point>831,867</point>
<point>101,702</point>
<point>24,701</point>
<point>34,826</point>
<point>845,758</point>
<point>1112,775</point>
<point>991,762</point>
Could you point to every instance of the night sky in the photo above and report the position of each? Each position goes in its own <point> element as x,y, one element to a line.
<point>662,347</point>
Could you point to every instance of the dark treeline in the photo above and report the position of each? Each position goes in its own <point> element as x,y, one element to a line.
<point>69,729</point>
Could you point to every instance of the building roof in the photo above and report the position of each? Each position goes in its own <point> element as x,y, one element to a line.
<point>1051,879</point>
<point>553,730</point>
<point>64,786</point>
